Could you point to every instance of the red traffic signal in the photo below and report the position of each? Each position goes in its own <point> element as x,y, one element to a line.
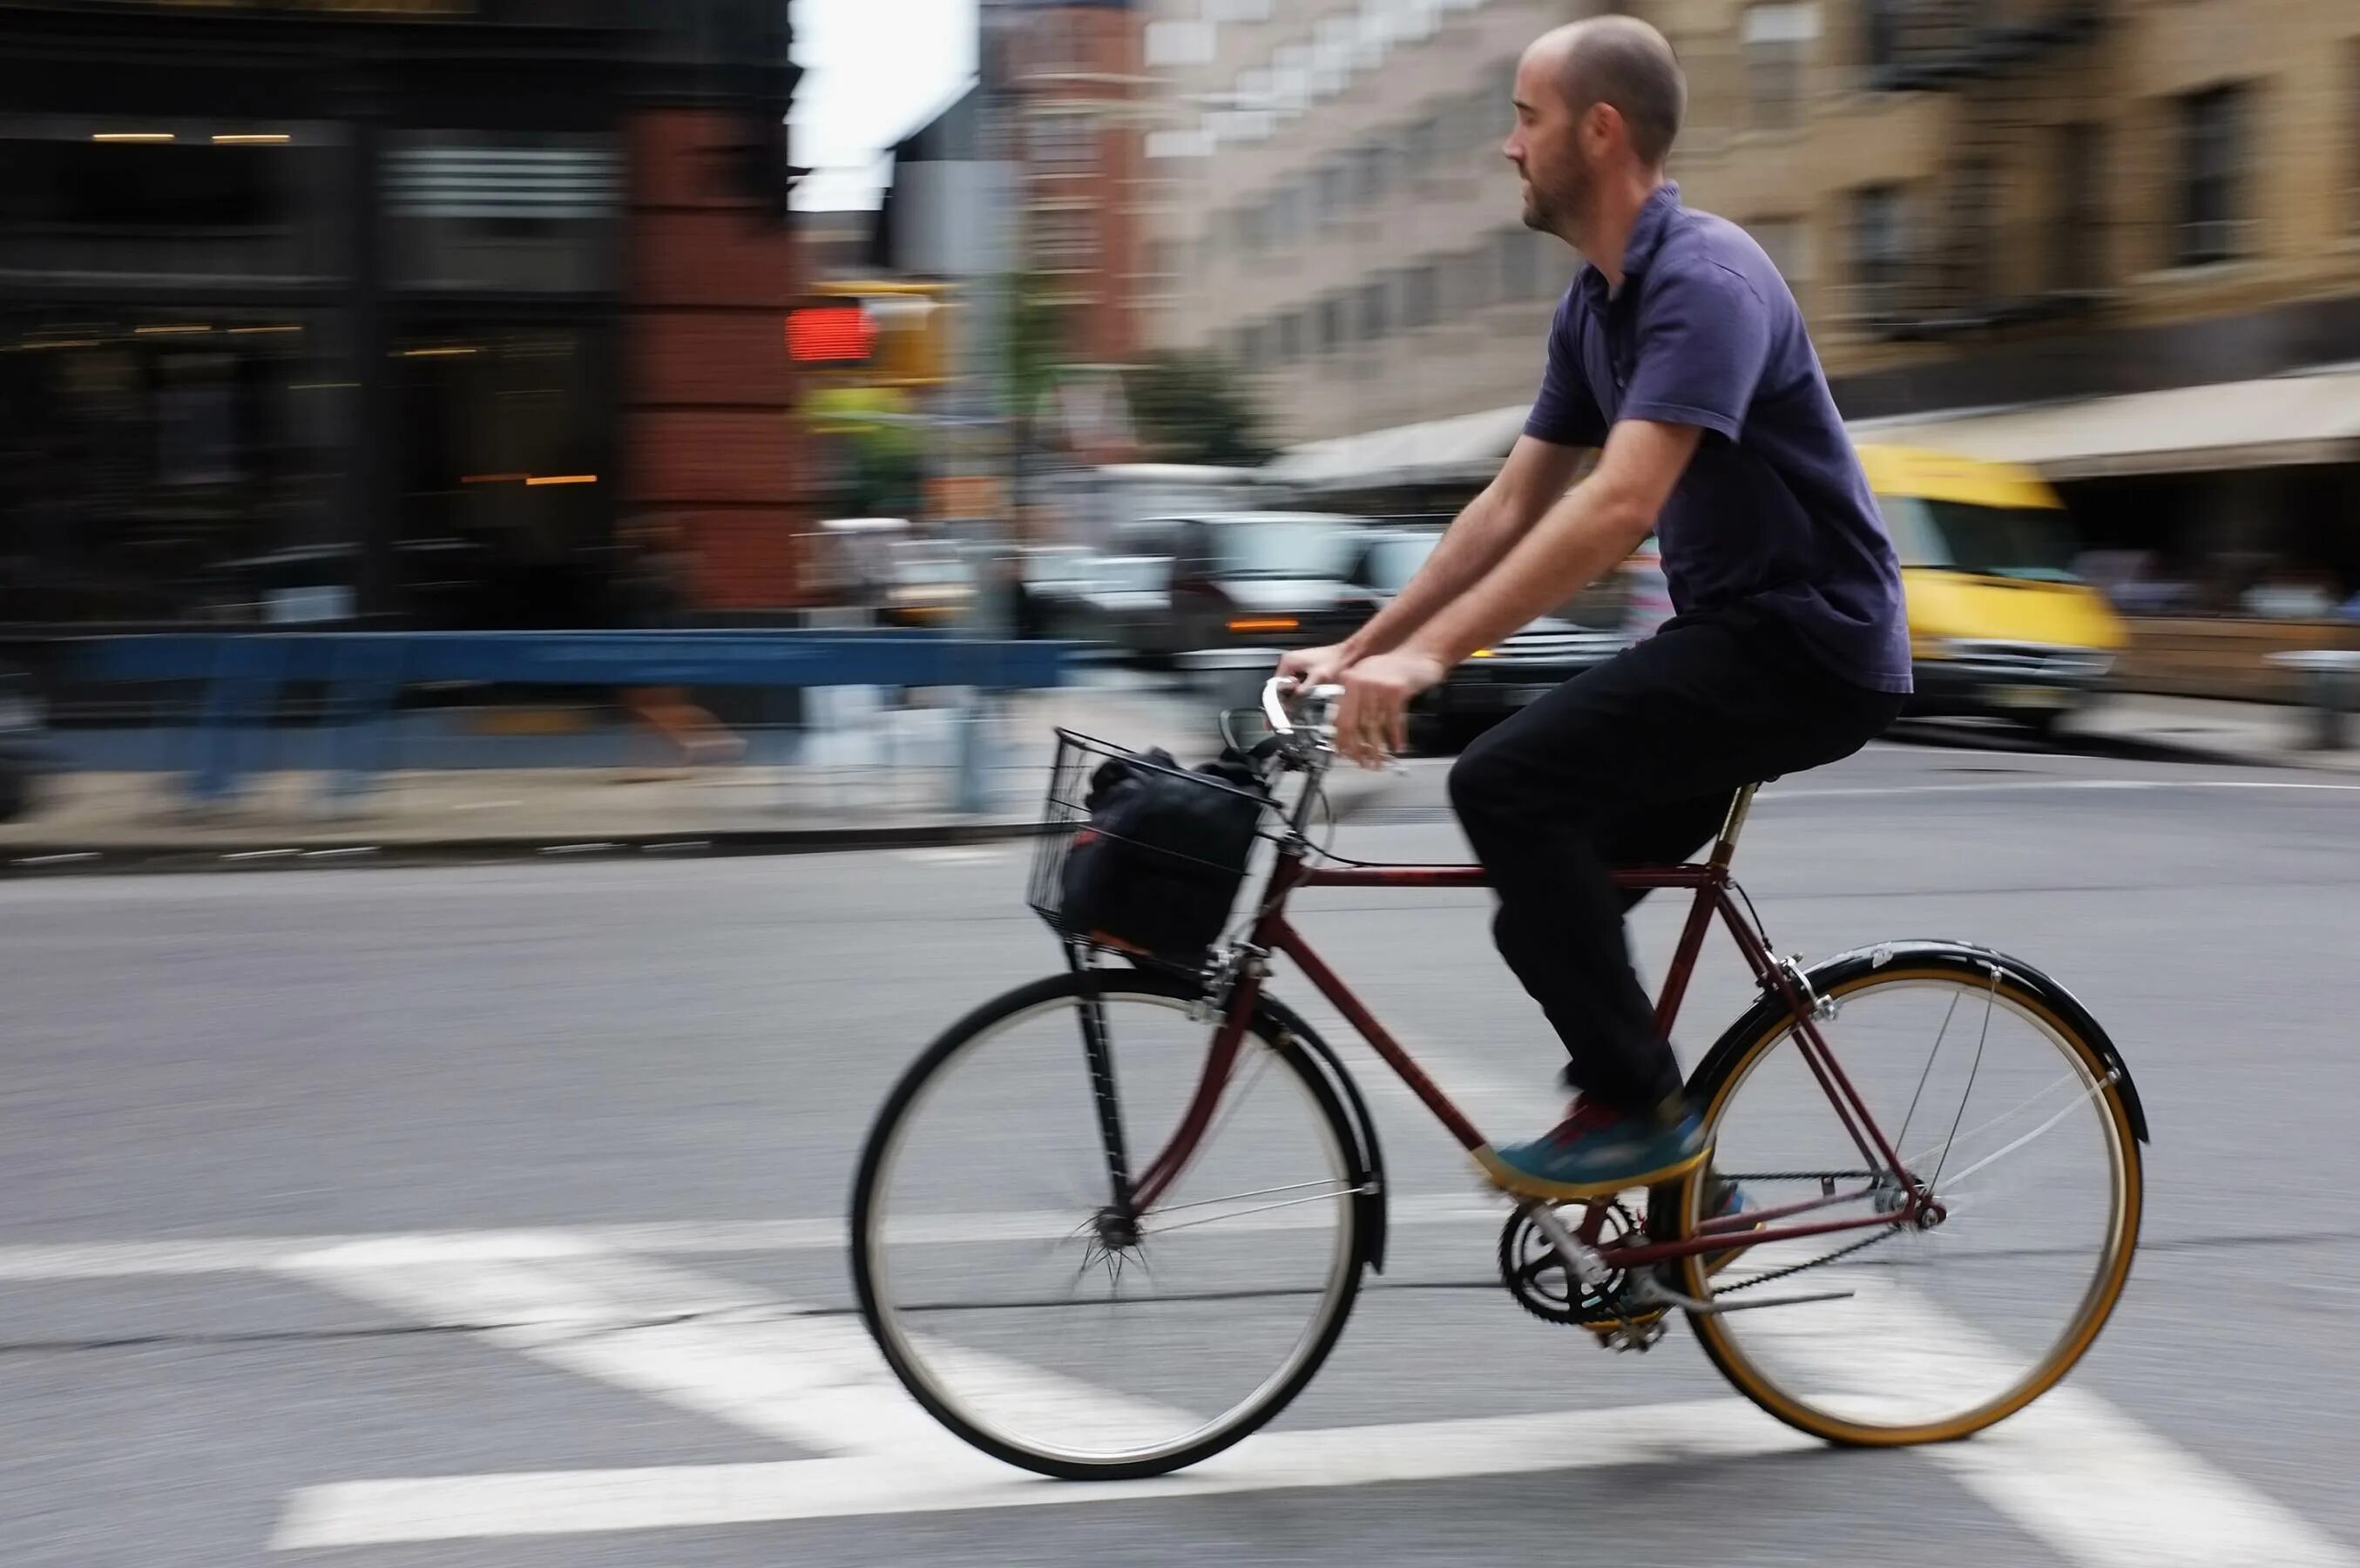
<point>833,333</point>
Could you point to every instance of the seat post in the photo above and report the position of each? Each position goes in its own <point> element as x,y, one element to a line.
<point>1731,825</point>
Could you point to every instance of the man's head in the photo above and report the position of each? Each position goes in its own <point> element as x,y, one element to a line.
<point>1597,101</point>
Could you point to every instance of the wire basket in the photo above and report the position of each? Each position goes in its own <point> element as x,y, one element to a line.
<point>1066,815</point>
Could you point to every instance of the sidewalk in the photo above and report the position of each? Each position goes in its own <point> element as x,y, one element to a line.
<point>892,783</point>
<point>892,786</point>
<point>2259,733</point>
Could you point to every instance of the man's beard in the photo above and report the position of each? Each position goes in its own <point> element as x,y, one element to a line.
<point>1549,209</point>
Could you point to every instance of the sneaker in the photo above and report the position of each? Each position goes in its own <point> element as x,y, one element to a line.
<point>1597,1151</point>
<point>1723,1198</point>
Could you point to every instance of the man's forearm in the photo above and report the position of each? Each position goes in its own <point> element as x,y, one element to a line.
<point>1585,535</point>
<point>1477,541</point>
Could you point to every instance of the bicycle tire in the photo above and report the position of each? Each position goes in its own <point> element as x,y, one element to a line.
<point>1272,1028</point>
<point>1725,1068</point>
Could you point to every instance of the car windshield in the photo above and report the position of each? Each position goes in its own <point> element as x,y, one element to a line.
<point>1282,548</point>
<point>1132,573</point>
<point>1391,563</point>
<point>2029,543</point>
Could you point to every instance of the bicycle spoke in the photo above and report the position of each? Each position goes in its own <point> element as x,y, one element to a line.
<point>1911,1114</point>
<point>1991,1000</point>
<point>1338,1191</point>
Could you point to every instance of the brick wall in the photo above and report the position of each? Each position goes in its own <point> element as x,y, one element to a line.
<point>708,433</point>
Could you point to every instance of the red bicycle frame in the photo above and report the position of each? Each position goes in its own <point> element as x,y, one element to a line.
<point>1273,932</point>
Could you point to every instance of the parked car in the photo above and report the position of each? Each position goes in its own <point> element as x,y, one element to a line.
<point>1251,580</point>
<point>1497,680</point>
<point>1124,604</point>
<point>26,752</point>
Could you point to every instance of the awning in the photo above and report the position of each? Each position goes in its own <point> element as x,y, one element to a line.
<point>1469,446</point>
<point>2273,423</point>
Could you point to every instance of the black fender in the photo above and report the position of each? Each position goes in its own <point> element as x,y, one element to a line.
<point>1368,1157</point>
<point>1846,967</point>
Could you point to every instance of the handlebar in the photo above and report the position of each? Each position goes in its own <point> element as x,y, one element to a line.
<point>1280,690</point>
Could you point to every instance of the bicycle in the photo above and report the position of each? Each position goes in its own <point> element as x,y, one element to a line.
<point>1049,1333</point>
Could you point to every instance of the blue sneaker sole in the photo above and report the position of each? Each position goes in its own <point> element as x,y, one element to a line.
<point>1508,1179</point>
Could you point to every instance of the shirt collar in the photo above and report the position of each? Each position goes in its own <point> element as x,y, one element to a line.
<point>1647,234</point>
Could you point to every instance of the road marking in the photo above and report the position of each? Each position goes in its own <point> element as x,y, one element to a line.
<point>33,1263</point>
<point>2069,1468</point>
<point>710,1346</point>
<point>363,1513</point>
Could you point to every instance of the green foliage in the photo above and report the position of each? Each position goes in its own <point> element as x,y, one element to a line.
<point>1193,407</point>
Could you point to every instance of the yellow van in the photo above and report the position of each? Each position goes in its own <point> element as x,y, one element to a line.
<point>1999,624</point>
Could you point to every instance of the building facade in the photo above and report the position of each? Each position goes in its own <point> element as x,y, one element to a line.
<point>1978,202</point>
<point>1077,91</point>
<point>395,313</point>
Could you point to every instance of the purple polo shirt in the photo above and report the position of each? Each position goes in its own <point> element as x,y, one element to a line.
<point>1773,511</point>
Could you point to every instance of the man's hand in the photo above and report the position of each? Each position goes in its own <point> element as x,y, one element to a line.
<point>1372,721</point>
<point>1315,666</point>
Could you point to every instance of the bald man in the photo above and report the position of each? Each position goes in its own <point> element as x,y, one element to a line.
<point>1680,352</point>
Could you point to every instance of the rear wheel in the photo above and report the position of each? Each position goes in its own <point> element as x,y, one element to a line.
<point>1028,1315</point>
<point>2014,1121</point>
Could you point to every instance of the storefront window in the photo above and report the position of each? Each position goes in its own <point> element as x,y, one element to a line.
<point>212,200</point>
<point>172,465</point>
<point>504,445</point>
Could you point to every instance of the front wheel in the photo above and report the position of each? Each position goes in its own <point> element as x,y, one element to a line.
<point>2001,1102</point>
<point>1030,1317</point>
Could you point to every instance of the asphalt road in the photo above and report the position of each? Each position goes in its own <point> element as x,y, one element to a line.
<point>305,1172</point>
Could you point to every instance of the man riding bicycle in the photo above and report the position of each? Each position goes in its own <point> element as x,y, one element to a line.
<point>1679,350</point>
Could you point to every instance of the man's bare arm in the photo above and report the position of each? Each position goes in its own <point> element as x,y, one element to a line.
<point>1583,537</point>
<point>1534,475</point>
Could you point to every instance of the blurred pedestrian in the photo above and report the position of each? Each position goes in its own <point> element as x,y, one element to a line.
<point>652,587</point>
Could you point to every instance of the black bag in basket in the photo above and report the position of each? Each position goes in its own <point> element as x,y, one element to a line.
<point>1158,866</point>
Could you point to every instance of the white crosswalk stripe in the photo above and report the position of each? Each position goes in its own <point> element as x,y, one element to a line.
<point>2072,1472</point>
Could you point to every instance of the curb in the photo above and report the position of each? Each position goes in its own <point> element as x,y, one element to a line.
<point>32,860</point>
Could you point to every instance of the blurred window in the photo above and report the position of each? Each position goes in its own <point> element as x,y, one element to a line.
<point>174,463</point>
<point>1290,336</point>
<point>1882,22</point>
<point>1975,213</point>
<point>185,208</point>
<point>1368,168</point>
<point>1281,548</point>
<point>2212,166</point>
<point>1253,229</point>
<point>1469,279</point>
<point>1519,260</point>
<point>1787,242</point>
<point>2077,236</point>
<point>1376,311</point>
<point>1391,562</point>
<point>492,210</point>
<point>1066,239</point>
<point>1328,192</point>
<point>1332,323</point>
<point>1778,37</point>
<point>1421,295</point>
<point>1053,43</point>
<point>2035,543</point>
<point>1418,141</point>
<point>1178,42</point>
<point>1286,215</point>
<point>1064,143</point>
<point>1879,256</point>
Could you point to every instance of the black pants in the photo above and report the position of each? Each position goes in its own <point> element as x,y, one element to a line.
<point>1635,763</point>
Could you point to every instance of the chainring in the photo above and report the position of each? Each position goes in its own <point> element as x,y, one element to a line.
<point>1537,1278</point>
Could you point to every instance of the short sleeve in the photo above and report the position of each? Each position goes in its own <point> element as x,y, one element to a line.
<point>1565,414</point>
<point>1703,340</point>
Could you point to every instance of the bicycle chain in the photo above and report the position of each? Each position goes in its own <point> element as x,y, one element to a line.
<point>1794,1269</point>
